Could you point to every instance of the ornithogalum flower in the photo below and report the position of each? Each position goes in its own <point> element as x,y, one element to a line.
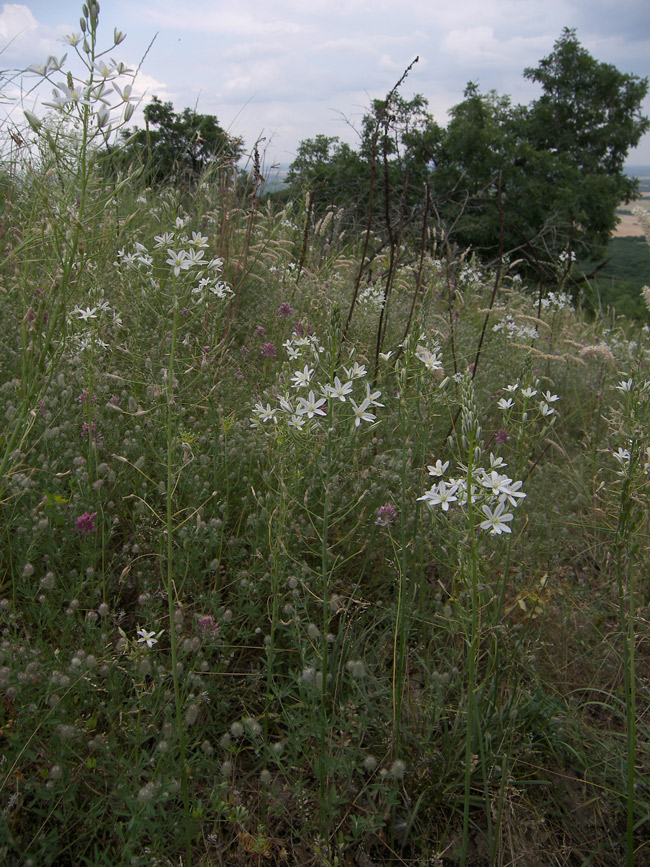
<point>496,520</point>
<point>146,637</point>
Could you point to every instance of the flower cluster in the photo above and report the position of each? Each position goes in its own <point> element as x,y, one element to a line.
<point>85,524</point>
<point>373,297</point>
<point>185,255</point>
<point>545,406</point>
<point>386,515</point>
<point>557,301</point>
<point>300,408</point>
<point>515,329</point>
<point>87,322</point>
<point>490,489</point>
<point>430,359</point>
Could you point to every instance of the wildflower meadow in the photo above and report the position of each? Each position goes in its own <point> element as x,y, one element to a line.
<point>305,562</point>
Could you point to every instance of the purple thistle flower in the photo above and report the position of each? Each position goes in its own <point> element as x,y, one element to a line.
<point>301,329</point>
<point>502,436</point>
<point>260,330</point>
<point>86,429</point>
<point>269,350</point>
<point>85,523</point>
<point>208,626</point>
<point>386,515</point>
<point>285,310</point>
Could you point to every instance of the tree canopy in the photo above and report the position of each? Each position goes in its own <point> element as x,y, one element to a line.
<point>177,146</point>
<point>532,180</point>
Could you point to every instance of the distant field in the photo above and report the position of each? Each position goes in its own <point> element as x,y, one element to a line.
<point>628,225</point>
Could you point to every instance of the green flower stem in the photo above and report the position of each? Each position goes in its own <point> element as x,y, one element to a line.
<point>471,567</point>
<point>170,589</point>
<point>624,569</point>
<point>324,715</point>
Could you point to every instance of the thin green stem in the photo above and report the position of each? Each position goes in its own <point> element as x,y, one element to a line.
<point>325,574</point>
<point>170,583</point>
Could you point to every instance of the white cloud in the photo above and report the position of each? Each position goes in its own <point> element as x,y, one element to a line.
<point>24,40</point>
<point>295,68</point>
<point>16,20</point>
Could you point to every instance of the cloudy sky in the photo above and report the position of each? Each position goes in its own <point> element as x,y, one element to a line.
<point>290,69</point>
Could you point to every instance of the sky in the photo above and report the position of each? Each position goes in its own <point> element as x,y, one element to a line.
<point>287,70</point>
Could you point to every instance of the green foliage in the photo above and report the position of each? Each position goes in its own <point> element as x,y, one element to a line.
<point>176,147</point>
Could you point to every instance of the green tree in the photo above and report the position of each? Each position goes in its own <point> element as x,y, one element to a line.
<point>330,170</point>
<point>177,147</point>
<point>588,117</point>
<point>548,176</point>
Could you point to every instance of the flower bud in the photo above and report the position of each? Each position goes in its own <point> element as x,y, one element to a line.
<point>129,108</point>
<point>118,36</point>
<point>82,24</point>
<point>33,121</point>
<point>102,116</point>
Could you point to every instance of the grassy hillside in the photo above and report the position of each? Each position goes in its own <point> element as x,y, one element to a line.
<point>315,550</point>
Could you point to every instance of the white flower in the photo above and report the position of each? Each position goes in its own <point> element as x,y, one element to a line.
<point>625,385</point>
<point>495,482</point>
<point>529,392</point>
<point>285,405</point>
<point>309,406</point>
<point>622,456</point>
<point>265,413</point>
<point>302,377</point>
<point>199,240</point>
<point>371,396</point>
<point>496,521</point>
<point>292,351</point>
<point>511,493</point>
<point>550,398</point>
<point>339,389</point>
<point>504,404</point>
<point>86,314</point>
<point>296,421</point>
<point>195,256</point>
<point>178,261</point>
<point>361,412</point>
<point>439,469</point>
<point>221,290</point>
<point>429,359</point>
<point>125,96</point>
<point>164,240</point>
<point>102,68</point>
<point>146,637</point>
<point>496,462</point>
<point>73,39</point>
<point>356,371</point>
<point>441,494</point>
